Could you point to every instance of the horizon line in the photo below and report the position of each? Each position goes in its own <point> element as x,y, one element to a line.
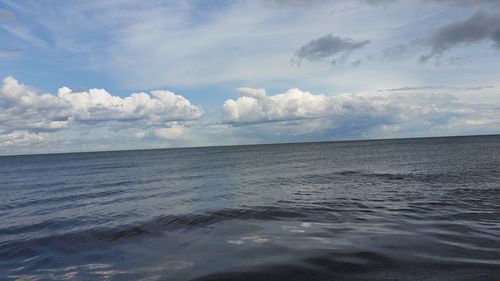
<point>253,144</point>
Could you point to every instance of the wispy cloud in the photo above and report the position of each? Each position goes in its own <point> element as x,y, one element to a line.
<point>6,15</point>
<point>449,88</point>
<point>10,49</point>
<point>467,3</point>
<point>21,138</point>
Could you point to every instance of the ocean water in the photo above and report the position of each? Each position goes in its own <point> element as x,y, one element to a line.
<point>414,209</point>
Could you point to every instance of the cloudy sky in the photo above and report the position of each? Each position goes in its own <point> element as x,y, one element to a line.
<point>119,74</point>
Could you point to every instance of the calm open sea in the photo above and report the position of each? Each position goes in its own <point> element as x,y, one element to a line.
<point>414,209</point>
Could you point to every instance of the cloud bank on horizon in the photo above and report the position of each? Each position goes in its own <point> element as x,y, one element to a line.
<point>149,74</point>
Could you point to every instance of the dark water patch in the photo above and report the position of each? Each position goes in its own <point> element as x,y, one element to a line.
<point>277,272</point>
<point>358,266</point>
<point>17,249</point>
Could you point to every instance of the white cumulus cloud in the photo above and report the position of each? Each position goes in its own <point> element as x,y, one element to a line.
<point>23,108</point>
<point>255,105</point>
<point>298,104</point>
<point>362,114</point>
<point>98,104</point>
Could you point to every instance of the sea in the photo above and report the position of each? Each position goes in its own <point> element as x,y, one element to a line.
<point>406,209</point>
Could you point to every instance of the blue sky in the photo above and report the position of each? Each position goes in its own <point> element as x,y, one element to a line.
<point>119,74</point>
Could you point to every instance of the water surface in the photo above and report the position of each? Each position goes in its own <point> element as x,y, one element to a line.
<point>414,209</point>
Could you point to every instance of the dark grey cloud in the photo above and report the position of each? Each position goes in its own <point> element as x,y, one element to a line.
<point>478,28</point>
<point>328,47</point>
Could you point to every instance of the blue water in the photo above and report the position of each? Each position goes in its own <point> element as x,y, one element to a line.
<point>414,209</point>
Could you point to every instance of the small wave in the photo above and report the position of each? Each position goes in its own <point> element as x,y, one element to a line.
<point>27,248</point>
<point>48,224</point>
<point>424,177</point>
<point>73,197</point>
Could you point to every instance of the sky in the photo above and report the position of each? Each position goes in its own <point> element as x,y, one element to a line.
<point>119,74</point>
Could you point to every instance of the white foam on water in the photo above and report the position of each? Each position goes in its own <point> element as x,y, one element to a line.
<point>295,229</point>
<point>255,239</point>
